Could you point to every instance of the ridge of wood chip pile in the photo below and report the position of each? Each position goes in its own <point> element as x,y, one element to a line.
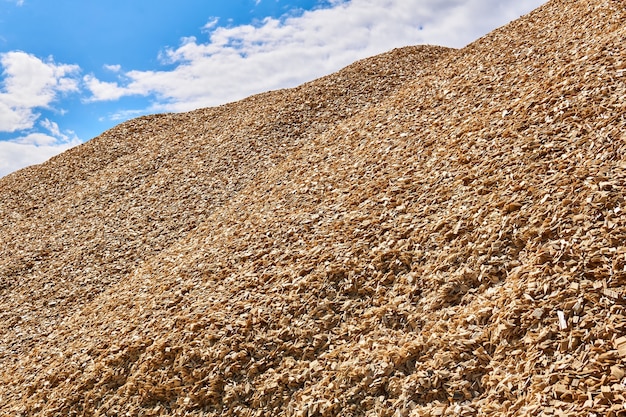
<point>427,232</point>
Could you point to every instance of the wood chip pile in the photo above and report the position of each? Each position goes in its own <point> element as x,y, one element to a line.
<point>428,232</point>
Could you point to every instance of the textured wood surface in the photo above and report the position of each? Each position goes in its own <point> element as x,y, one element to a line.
<point>426,232</point>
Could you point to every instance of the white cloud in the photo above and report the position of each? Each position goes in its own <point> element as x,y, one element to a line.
<point>102,90</point>
<point>15,118</point>
<point>29,150</point>
<point>35,147</point>
<point>124,115</point>
<point>113,68</point>
<point>53,128</point>
<point>239,61</point>
<point>29,83</point>
<point>211,24</point>
<point>36,139</point>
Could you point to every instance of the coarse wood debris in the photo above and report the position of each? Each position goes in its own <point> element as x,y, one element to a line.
<point>427,232</point>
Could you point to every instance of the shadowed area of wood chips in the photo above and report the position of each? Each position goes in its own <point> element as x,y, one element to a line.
<point>427,232</point>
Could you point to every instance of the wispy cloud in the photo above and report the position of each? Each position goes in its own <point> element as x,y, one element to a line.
<point>30,83</point>
<point>112,68</point>
<point>238,61</point>
<point>213,21</point>
<point>124,115</point>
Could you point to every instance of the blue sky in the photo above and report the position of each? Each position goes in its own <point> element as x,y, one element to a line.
<point>69,70</point>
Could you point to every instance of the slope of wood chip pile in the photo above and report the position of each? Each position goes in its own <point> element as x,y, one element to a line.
<point>427,232</point>
<point>91,215</point>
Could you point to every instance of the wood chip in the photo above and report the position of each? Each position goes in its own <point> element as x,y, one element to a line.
<point>426,232</point>
<point>562,320</point>
<point>620,345</point>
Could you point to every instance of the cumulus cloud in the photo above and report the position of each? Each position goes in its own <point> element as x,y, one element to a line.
<point>102,90</point>
<point>20,153</point>
<point>238,61</point>
<point>29,83</point>
<point>35,147</point>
